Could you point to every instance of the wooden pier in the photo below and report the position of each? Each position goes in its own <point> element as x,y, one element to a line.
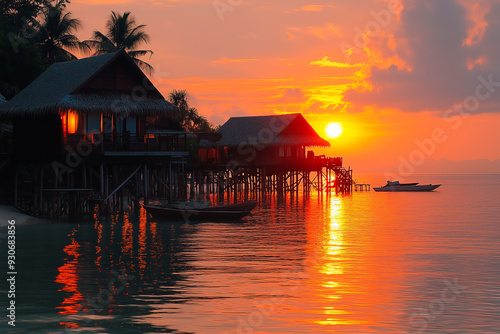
<point>362,187</point>
<point>118,183</point>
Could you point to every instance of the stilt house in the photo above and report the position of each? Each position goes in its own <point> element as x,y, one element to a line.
<point>277,140</point>
<point>104,100</point>
<point>94,129</point>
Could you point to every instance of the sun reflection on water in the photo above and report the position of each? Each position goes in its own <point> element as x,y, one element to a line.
<point>329,266</point>
<point>333,242</point>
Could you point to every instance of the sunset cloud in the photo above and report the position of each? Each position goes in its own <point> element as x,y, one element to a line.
<point>291,95</point>
<point>326,62</point>
<point>444,70</point>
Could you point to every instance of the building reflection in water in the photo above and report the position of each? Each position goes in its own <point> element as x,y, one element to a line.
<point>120,243</point>
<point>68,276</point>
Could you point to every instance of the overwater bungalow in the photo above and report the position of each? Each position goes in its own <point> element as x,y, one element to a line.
<point>93,125</point>
<point>104,100</point>
<point>259,156</point>
<point>276,141</point>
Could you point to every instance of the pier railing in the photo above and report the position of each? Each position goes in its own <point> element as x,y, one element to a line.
<point>316,160</point>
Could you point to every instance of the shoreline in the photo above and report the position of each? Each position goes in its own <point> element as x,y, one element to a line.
<point>10,213</point>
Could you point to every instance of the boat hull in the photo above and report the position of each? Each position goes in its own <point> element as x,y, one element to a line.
<point>192,213</point>
<point>243,206</point>
<point>409,188</point>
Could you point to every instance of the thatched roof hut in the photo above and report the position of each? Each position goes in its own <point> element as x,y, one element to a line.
<point>287,129</point>
<point>106,84</point>
<point>278,140</point>
<point>105,100</point>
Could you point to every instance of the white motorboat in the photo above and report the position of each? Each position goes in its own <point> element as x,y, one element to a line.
<point>396,186</point>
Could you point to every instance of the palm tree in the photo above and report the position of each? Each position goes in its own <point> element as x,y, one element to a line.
<point>179,98</point>
<point>56,33</point>
<point>189,118</point>
<point>122,33</point>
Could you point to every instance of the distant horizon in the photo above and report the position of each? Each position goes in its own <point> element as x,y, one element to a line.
<point>482,166</point>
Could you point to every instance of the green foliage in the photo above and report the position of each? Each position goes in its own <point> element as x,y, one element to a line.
<point>189,117</point>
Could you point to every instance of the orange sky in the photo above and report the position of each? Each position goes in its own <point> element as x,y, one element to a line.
<point>387,70</point>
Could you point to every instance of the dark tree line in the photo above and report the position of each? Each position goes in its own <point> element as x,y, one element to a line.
<point>20,60</point>
<point>37,33</point>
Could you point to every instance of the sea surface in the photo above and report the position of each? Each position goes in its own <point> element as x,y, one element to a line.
<point>365,263</point>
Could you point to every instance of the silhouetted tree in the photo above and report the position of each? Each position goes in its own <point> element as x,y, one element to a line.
<point>189,117</point>
<point>17,15</point>
<point>122,33</point>
<point>20,60</point>
<point>56,33</point>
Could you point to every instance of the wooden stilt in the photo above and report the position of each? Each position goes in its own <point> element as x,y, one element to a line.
<point>146,181</point>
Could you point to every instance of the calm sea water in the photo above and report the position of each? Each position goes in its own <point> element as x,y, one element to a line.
<point>366,263</point>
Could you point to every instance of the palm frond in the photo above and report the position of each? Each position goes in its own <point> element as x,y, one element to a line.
<point>122,32</point>
<point>140,53</point>
<point>136,37</point>
<point>144,66</point>
<point>57,33</point>
<point>101,43</point>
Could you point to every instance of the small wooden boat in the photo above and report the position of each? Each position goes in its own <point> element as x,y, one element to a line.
<point>396,186</point>
<point>192,211</point>
<point>243,206</point>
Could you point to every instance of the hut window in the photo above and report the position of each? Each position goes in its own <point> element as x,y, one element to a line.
<point>132,125</point>
<point>282,152</point>
<point>288,151</point>
<point>94,124</point>
<point>72,121</point>
<point>119,124</point>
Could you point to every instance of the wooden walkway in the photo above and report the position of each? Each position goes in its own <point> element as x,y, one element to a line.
<point>120,182</point>
<point>362,187</point>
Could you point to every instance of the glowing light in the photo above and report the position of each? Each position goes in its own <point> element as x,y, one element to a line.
<point>72,121</point>
<point>334,130</point>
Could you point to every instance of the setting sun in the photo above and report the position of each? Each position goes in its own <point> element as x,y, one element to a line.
<point>334,130</point>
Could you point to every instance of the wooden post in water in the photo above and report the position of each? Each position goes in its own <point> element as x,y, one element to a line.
<point>101,171</point>
<point>146,180</point>
<point>106,180</point>
<point>235,186</point>
<point>280,186</point>
<point>263,183</point>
